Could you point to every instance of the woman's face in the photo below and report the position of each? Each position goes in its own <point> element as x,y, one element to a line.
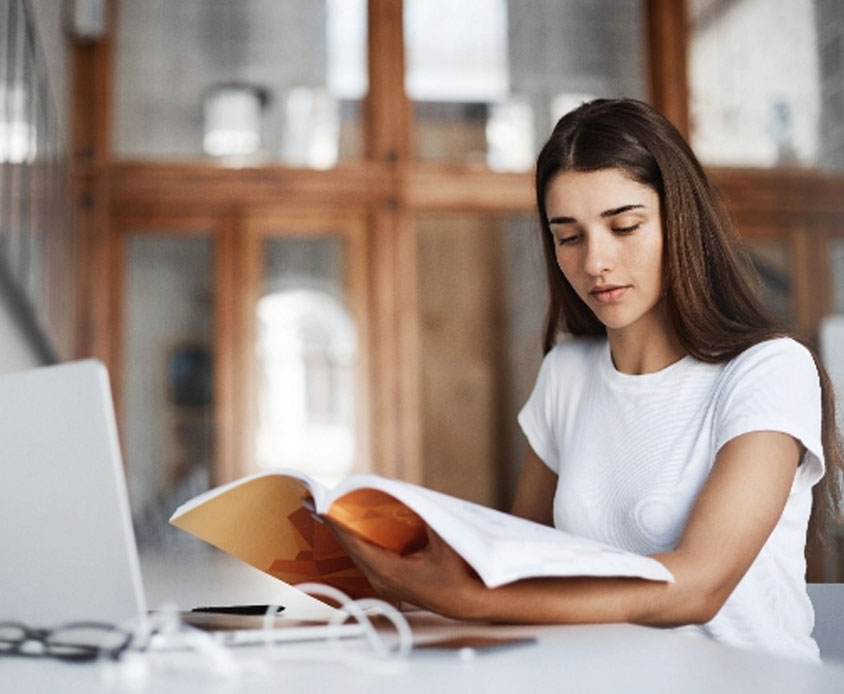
<point>607,233</point>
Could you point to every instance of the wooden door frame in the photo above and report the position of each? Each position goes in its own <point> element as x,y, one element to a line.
<point>219,231</point>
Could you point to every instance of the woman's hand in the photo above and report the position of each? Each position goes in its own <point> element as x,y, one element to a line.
<point>434,577</point>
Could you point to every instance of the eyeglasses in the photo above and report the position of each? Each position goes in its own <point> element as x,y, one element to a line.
<point>78,641</point>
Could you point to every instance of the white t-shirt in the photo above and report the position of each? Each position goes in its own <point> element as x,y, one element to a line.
<point>632,452</point>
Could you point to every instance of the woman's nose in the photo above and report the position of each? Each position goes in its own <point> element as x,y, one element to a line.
<point>600,255</point>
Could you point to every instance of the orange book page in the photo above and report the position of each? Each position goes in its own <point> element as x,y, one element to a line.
<point>264,523</point>
<point>381,519</point>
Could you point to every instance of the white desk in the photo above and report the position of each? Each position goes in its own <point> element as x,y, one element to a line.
<point>595,659</point>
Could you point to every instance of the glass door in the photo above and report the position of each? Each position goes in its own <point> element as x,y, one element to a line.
<point>166,389</point>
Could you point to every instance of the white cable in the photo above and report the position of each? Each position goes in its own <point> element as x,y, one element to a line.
<point>382,659</point>
<point>164,633</point>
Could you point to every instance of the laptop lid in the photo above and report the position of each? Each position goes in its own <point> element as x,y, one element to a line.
<point>68,548</point>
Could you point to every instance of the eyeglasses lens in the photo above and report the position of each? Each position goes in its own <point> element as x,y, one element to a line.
<point>81,641</point>
<point>11,637</point>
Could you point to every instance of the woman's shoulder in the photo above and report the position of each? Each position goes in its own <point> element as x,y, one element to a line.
<point>570,364</point>
<point>778,349</point>
<point>572,357</point>
<point>781,357</point>
<point>773,385</point>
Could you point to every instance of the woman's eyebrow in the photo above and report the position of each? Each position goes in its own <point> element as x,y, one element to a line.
<point>562,220</point>
<point>620,210</point>
<point>606,213</point>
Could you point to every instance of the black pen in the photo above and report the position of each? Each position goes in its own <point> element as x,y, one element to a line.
<point>239,609</point>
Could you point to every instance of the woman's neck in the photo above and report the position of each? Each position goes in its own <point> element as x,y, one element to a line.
<point>644,349</point>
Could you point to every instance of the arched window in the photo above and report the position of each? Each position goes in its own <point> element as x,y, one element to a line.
<point>307,352</point>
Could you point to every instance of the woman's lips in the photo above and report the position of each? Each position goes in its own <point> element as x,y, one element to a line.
<point>608,294</point>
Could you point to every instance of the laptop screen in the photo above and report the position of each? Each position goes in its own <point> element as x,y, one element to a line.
<point>68,548</point>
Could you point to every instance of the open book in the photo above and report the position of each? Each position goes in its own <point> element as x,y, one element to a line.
<point>272,520</point>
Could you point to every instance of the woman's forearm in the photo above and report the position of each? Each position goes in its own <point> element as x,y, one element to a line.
<point>692,599</point>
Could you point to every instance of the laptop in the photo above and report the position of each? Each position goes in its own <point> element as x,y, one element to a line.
<point>65,527</point>
<point>68,547</point>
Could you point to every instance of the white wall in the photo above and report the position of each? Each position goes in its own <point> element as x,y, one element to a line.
<point>15,353</point>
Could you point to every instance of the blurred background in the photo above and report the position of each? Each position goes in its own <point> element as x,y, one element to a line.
<point>302,232</point>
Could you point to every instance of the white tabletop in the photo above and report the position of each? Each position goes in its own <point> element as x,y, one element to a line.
<point>592,658</point>
<point>595,659</point>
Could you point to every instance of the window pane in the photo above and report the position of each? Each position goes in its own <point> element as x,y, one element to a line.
<point>832,326</point>
<point>256,79</point>
<point>836,266</point>
<point>167,432</point>
<point>489,77</point>
<point>15,138</point>
<point>307,360</point>
<point>772,261</point>
<point>482,303</point>
<point>766,82</point>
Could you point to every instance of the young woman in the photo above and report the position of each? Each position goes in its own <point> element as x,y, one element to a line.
<point>676,418</point>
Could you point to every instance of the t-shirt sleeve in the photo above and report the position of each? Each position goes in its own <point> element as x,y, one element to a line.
<point>536,417</point>
<point>774,386</point>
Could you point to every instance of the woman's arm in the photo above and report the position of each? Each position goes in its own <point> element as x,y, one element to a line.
<point>731,519</point>
<point>535,491</point>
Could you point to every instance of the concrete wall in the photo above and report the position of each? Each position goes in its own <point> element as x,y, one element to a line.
<point>15,351</point>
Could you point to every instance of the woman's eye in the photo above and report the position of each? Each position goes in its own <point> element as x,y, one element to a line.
<point>563,240</point>
<point>627,229</point>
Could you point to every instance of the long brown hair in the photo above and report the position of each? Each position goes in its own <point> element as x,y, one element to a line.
<point>709,301</point>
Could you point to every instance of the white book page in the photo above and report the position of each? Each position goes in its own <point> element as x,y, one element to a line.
<point>503,548</point>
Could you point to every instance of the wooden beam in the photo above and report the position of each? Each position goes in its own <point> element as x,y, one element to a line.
<point>227,382</point>
<point>395,405</point>
<point>448,187</point>
<point>387,121</point>
<point>90,85</point>
<point>408,329</point>
<point>200,187</point>
<point>90,128</point>
<point>667,39</point>
<point>394,340</point>
<point>798,191</point>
